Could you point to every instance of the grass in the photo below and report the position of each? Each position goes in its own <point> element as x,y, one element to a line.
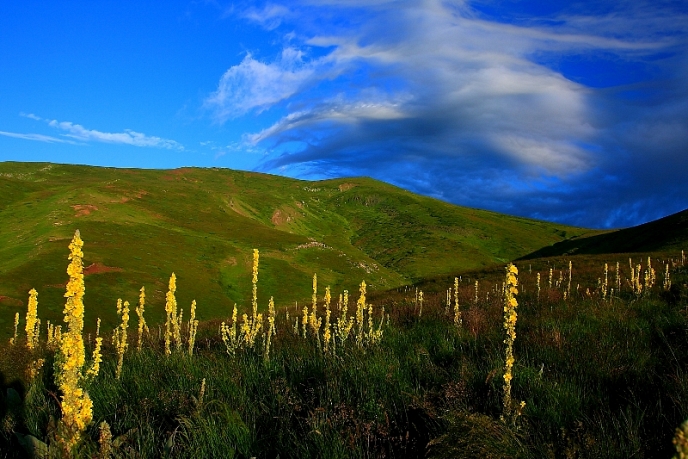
<point>601,379</point>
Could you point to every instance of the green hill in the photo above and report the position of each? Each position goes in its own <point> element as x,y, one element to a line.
<point>666,234</point>
<point>139,226</point>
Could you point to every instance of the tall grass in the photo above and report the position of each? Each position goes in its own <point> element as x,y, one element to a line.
<point>602,376</point>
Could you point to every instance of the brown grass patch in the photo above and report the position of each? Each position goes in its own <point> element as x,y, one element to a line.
<point>99,268</point>
<point>346,186</point>
<point>283,216</point>
<point>11,301</point>
<point>177,174</point>
<point>83,209</point>
<point>475,320</point>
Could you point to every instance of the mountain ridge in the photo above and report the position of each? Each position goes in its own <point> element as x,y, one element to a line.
<point>664,234</point>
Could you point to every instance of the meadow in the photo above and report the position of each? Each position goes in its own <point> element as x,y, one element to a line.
<point>367,322</point>
<point>598,371</point>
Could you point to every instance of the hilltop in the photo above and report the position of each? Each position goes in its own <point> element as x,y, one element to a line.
<point>666,234</point>
<point>139,226</point>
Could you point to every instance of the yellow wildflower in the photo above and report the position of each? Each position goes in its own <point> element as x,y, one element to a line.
<point>327,335</point>
<point>142,322</point>
<point>229,335</point>
<point>304,320</point>
<point>361,306</point>
<point>76,404</point>
<point>34,368</point>
<point>457,312</point>
<point>171,311</point>
<point>271,327</point>
<point>193,327</point>
<point>245,328</point>
<point>122,338</point>
<point>420,300</point>
<point>510,317</point>
<point>31,320</point>
<point>680,441</point>
<point>105,441</point>
<point>13,340</point>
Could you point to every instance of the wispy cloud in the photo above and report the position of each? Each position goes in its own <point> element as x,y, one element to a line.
<point>30,116</point>
<point>36,137</point>
<point>128,137</point>
<point>472,107</point>
<point>255,86</point>
<point>270,16</point>
<point>79,133</point>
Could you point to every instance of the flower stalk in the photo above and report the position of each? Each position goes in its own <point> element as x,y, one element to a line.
<point>510,317</point>
<point>77,407</point>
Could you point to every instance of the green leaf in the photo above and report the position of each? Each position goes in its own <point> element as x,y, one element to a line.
<point>35,448</point>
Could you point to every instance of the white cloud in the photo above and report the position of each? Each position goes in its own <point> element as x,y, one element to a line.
<point>560,158</point>
<point>336,111</point>
<point>256,86</point>
<point>36,137</point>
<point>30,116</point>
<point>80,133</point>
<point>270,16</point>
<point>128,137</point>
<point>462,77</point>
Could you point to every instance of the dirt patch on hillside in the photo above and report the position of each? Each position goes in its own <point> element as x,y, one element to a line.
<point>346,186</point>
<point>11,301</point>
<point>279,218</point>
<point>99,268</point>
<point>283,216</point>
<point>83,209</point>
<point>177,174</point>
<point>137,195</point>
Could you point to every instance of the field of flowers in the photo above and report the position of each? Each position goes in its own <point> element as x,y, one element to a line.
<point>552,357</point>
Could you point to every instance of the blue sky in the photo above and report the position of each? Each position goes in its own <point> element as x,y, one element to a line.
<point>575,112</point>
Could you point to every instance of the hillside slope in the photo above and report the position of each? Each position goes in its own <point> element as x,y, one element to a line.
<point>666,234</point>
<point>139,226</point>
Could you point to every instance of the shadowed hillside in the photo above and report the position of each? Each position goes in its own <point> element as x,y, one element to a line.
<point>139,226</point>
<point>668,233</point>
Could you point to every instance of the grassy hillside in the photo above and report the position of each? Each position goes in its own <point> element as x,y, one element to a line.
<point>139,226</point>
<point>666,234</point>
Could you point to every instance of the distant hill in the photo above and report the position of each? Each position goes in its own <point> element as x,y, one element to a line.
<point>668,233</point>
<point>139,226</point>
